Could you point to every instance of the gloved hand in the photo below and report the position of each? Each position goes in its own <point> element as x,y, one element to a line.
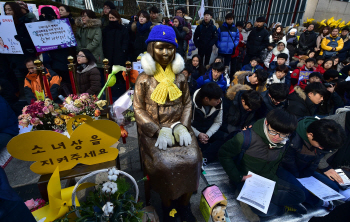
<point>165,138</point>
<point>182,135</point>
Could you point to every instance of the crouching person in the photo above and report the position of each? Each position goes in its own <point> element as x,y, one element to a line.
<point>312,141</point>
<point>269,141</point>
<point>207,119</point>
<point>32,82</point>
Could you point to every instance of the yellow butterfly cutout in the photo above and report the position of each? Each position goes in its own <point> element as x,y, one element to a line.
<point>330,21</point>
<point>59,199</point>
<point>342,24</point>
<point>40,95</point>
<point>309,20</point>
<point>323,22</point>
<point>89,144</point>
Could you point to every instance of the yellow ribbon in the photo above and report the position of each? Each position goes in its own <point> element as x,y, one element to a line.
<point>166,85</point>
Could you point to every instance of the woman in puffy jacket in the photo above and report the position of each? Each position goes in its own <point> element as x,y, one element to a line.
<point>278,35</point>
<point>292,42</point>
<point>181,31</point>
<point>140,30</point>
<point>323,33</point>
<point>89,35</point>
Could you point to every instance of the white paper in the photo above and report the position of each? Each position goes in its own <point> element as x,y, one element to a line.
<point>8,43</point>
<point>257,192</point>
<point>345,179</point>
<point>137,66</point>
<point>320,189</point>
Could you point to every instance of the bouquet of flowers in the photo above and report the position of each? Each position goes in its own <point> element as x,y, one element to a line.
<point>34,205</point>
<point>45,115</point>
<point>84,104</point>
<point>122,110</point>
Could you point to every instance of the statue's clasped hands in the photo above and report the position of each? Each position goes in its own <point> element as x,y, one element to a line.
<point>166,137</point>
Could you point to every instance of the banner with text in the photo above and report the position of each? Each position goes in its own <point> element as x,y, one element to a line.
<point>8,43</point>
<point>51,35</point>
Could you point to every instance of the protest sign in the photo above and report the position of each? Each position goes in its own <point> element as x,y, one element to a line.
<point>88,144</point>
<point>51,35</point>
<point>8,43</point>
<point>137,66</point>
<point>304,75</point>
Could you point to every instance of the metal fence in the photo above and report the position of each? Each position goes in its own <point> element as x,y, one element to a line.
<point>284,11</point>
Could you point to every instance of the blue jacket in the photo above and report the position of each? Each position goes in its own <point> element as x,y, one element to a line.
<point>208,77</point>
<point>249,68</point>
<point>228,39</point>
<point>8,119</point>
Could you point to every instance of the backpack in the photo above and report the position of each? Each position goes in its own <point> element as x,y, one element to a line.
<point>247,138</point>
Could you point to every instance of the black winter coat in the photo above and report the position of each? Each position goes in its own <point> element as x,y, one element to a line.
<point>307,41</point>
<point>301,160</point>
<point>115,41</point>
<point>180,37</point>
<point>258,40</point>
<point>139,45</point>
<point>234,115</point>
<point>26,43</point>
<point>330,104</point>
<point>205,36</point>
<point>300,104</point>
<point>59,58</point>
<point>292,43</point>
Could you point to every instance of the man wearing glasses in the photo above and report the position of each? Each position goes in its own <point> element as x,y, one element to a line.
<point>269,141</point>
<point>312,141</point>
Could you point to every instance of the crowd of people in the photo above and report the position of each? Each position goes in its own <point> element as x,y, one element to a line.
<point>270,82</point>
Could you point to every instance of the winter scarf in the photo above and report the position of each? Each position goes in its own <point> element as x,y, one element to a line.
<point>166,85</point>
<point>143,28</point>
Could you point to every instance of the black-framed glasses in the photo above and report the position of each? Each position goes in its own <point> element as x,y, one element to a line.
<point>274,133</point>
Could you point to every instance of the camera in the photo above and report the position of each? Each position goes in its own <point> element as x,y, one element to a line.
<point>329,84</point>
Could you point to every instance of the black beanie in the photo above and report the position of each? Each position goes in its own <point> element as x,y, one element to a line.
<point>208,12</point>
<point>109,4</point>
<point>261,19</point>
<point>240,23</point>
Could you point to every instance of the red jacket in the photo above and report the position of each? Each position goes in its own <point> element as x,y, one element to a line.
<point>295,76</point>
<point>320,69</point>
<point>240,45</point>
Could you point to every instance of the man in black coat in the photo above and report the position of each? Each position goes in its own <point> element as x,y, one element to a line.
<point>305,103</point>
<point>274,98</point>
<point>205,36</point>
<point>257,41</point>
<point>307,40</point>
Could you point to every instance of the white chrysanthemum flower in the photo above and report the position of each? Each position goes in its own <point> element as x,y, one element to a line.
<point>113,174</point>
<point>108,208</point>
<point>109,187</point>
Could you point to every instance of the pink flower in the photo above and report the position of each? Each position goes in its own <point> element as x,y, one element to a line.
<point>46,110</point>
<point>24,122</point>
<point>35,121</point>
<point>84,96</point>
<point>30,204</point>
<point>51,108</point>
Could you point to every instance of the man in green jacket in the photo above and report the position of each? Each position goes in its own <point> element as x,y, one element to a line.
<point>269,141</point>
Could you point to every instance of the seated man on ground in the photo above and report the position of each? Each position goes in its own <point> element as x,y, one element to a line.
<point>240,106</point>
<point>331,44</point>
<point>32,81</point>
<point>332,101</point>
<point>308,66</point>
<point>269,141</point>
<point>207,119</point>
<point>298,61</point>
<point>253,65</point>
<point>279,76</point>
<point>313,139</point>
<point>214,75</point>
<point>256,80</point>
<point>281,60</point>
<point>273,98</point>
<point>313,77</point>
<point>305,103</point>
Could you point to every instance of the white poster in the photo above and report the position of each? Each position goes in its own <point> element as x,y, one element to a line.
<point>51,35</point>
<point>8,43</point>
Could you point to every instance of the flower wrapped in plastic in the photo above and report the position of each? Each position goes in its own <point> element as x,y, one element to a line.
<point>122,110</point>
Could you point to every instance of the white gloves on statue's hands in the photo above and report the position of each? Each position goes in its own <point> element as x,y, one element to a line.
<point>165,138</point>
<point>182,135</point>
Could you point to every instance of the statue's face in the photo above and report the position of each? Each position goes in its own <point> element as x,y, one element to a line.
<point>164,53</point>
